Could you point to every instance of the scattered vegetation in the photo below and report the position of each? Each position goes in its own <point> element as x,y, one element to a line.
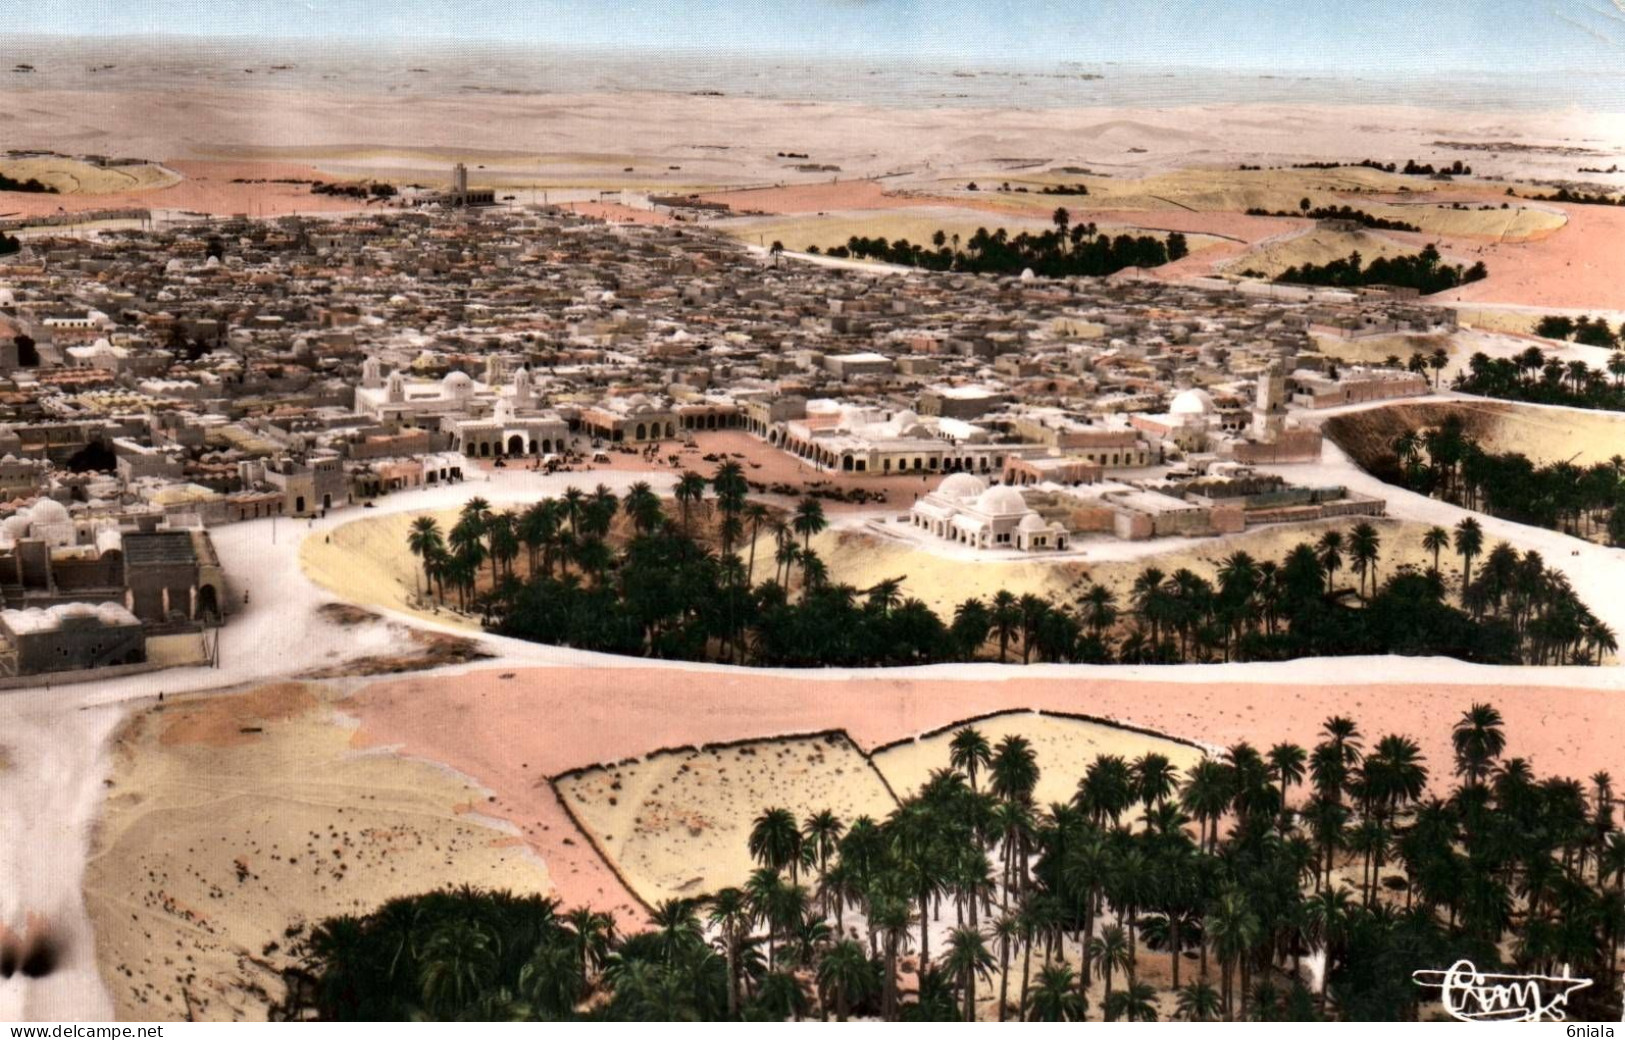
<point>1246,864</point>
<point>1348,213</point>
<point>1068,250</point>
<point>1579,198</point>
<point>32,185</point>
<point>1422,271</point>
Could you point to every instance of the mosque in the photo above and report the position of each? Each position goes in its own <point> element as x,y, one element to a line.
<point>482,419</point>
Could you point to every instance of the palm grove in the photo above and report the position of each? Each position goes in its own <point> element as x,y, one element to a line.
<point>1148,894</point>
<point>618,575</point>
<point>1448,463</point>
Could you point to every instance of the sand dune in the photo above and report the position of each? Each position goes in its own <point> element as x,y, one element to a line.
<point>232,822</point>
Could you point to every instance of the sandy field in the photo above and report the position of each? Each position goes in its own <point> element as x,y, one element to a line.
<point>1544,434</point>
<point>205,187</point>
<point>509,728</point>
<point>230,822</point>
<point>75,177</point>
<point>1063,748</point>
<point>1578,268</point>
<point>1314,246</point>
<point>677,824</point>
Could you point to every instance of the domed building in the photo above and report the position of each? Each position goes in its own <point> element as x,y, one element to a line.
<point>965,509</point>
<point>479,419</point>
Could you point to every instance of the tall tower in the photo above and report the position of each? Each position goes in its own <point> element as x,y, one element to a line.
<point>1269,407</point>
<point>459,185</point>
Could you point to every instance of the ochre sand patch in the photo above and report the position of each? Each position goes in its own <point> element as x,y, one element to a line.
<point>230,818</point>
<point>366,561</point>
<point>509,730</point>
<point>943,576</point>
<point>1062,746</point>
<point>1545,435</point>
<point>77,177</point>
<point>676,824</point>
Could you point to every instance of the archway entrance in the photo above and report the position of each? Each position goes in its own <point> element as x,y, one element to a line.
<point>208,603</point>
<point>516,445</point>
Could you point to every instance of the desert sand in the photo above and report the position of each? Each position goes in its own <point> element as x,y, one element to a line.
<point>233,822</point>
<point>676,824</point>
<point>507,729</point>
<point>1174,165</point>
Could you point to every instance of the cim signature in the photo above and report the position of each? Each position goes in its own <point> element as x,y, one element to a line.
<point>1470,995</point>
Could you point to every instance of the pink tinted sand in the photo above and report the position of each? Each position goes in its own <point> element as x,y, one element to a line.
<point>207,188</point>
<point>1582,265</point>
<point>620,213</point>
<point>764,464</point>
<point>512,734</point>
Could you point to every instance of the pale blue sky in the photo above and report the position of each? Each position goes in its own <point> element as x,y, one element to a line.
<point>1401,35</point>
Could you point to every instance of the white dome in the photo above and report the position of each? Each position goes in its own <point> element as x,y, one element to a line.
<point>16,525</point>
<point>1028,275</point>
<point>962,485</point>
<point>457,381</point>
<point>48,511</point>
<point>1001,501</point>
<point>1191,402</point>
<point>1032,523</point>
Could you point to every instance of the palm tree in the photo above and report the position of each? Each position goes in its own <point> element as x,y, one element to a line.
<point>756,515</point>
<point>643,506</point>
<point>1014,770</point>
<point>1054,997</point>
<point>1135,1004</point>
<point>1469,543</point>
<point>1006,619</point>
<point>844,971</point>
<point>1478,740</point>
<point>689,491</point>
<point>807,521</point>
<point>820,834</point>
<point>731,915</point>
<point>1008,931</point>
<point>775,841</point>
<point>1198,1002</point>
<point>1364,543</point>
<point>1330,553</point>
<point>458,960</point>
<point>1233,929</point>
<point>1287,763</point>
<point>1435,541</point>
<point>967,959</point>
<point>424,541</point>
<point>1108,953</point>
<point>969,752</point>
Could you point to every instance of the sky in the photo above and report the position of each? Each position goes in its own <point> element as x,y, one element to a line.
<point>1400,35</point>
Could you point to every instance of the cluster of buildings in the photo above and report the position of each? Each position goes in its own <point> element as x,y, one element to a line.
<point>157,382</point>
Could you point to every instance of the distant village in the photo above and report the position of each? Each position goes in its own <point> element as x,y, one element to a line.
<point>161,382</point>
